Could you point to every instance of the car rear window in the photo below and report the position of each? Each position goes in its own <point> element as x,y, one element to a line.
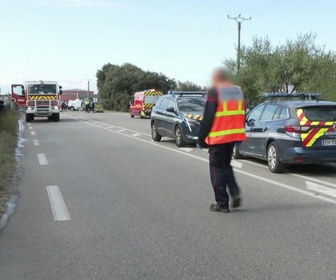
<point>320,113</point>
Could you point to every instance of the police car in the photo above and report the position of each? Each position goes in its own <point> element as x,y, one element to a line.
<point>290,129</point>
<point>177,115</point>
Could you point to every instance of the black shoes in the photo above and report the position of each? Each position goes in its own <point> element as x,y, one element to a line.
<point>236,202</point>
<point>216,208</point>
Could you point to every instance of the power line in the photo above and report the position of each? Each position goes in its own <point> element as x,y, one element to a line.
<point>239,19</point>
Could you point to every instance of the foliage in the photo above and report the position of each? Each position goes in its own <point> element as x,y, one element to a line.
<point>8,141</point>
<point>117,84</point>
<point>295,66</point>
<point>188,86</point>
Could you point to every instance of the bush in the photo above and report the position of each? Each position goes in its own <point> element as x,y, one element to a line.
<point>8,142</point>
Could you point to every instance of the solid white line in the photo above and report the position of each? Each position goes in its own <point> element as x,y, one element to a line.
<point>36,142</point>
<point>285,186</point>
<point>320,189</point>
<point>122,130</point>
<point>58,207</point>
<point>136,134</point>
<point>42,159</point>
<point>32,133</point>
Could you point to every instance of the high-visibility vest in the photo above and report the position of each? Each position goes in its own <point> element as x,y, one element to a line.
<point>229,122</point>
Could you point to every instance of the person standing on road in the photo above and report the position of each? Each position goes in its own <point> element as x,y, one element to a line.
<point>87,105</point>
<point>223,126</point>
<point>92,106</point>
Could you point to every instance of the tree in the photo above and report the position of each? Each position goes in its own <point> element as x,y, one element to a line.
<point>295,66</point>
<point>188,86</point>
<point>117,84</point>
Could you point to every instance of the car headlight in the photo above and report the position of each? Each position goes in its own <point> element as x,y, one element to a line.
<point>55,107</point>
<point>192,121</point>
<point>30,108</point>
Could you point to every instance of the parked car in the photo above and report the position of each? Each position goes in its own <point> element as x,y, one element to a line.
<point>75,105</point>
<point>177,115</point>
<point>290,131</point>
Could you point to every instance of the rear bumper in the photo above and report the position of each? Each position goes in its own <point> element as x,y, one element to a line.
<point>298,155</point>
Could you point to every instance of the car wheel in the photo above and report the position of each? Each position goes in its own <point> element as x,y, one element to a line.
<point>56,117</point>
<point>155,135</point>
<point>72,108</point>
<point>236,154</point>
<point>179,137</point>
<point>273,159</point>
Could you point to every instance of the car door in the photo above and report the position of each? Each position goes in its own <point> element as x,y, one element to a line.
<point>171,118</point>
<point>160,115</point>
<point>248,146</point>
<point>18,94</point>
<point>262,129</point>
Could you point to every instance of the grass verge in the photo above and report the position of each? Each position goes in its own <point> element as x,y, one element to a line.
<point>8,143</point>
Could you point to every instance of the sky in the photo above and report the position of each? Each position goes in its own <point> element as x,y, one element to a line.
<point>69,40</point>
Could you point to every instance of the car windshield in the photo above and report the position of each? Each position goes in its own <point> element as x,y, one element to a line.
<point>151,99</point>
<point>191,104</point>
<point>320,113</point>
<point>41,89</point>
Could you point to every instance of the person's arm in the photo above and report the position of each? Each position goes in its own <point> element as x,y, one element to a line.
<point>208,116</point>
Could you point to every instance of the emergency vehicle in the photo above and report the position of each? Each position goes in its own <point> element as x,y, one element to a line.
<point>39,98</point>
<point>143,103</point>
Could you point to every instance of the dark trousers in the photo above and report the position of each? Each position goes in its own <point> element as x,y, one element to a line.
<point>221,173</point>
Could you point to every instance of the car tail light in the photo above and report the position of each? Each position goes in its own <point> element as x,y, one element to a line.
<point>296,129</point>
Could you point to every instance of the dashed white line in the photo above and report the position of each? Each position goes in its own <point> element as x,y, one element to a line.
<point>188,150</point>
<point>42,159</point>
<point>135,134</point>
<point>318,189</point>
<point>58,207</point>
<point>33,133</point>
<point>36,142</point>
<point>30,127</point>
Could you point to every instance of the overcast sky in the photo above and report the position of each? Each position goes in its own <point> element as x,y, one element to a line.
<point>69,40</point>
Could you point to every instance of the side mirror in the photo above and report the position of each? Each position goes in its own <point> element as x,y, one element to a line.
<point>170,110</point>
<point>60,92</point>
<point>250,122</point>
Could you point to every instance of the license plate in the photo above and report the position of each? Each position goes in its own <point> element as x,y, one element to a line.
<point>329,142</point>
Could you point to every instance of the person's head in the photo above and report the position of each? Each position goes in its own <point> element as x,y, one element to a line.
<point>219,76</point>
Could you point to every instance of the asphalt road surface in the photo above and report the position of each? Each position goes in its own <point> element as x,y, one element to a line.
<point>100,200</point>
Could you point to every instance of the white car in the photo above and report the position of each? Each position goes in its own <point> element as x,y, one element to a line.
<point>75,105</point>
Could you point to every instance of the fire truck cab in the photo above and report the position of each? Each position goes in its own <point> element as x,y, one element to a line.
<point>39,98</point>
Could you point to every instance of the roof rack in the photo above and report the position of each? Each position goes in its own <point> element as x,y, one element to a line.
<point>187,93</point>
<point>298,95</point>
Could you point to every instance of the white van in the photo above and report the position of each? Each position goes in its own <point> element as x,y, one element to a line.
<point>76,105</point>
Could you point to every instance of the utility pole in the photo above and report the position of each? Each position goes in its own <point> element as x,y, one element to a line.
<point>239,19</point>
<point>88,91</point>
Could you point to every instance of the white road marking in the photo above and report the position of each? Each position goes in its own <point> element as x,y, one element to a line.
<point>36,142</point>
<point>58,207</point>
<point>33,133</point>
<point>315,180</point>
<point>30,127</point>
<point>122,130</point>
<point>42,159</point>
<point>29,124</point>
<point>136,134</point>
<point>318,189</point>
<point>248,174</point>
<point>188,150</point>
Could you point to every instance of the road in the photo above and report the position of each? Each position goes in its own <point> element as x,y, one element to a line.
<point>100,200</point>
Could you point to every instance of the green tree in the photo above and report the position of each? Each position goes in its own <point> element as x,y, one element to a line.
<point>117,84</point>
<point>295,66</point>
<point>188,86</point>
